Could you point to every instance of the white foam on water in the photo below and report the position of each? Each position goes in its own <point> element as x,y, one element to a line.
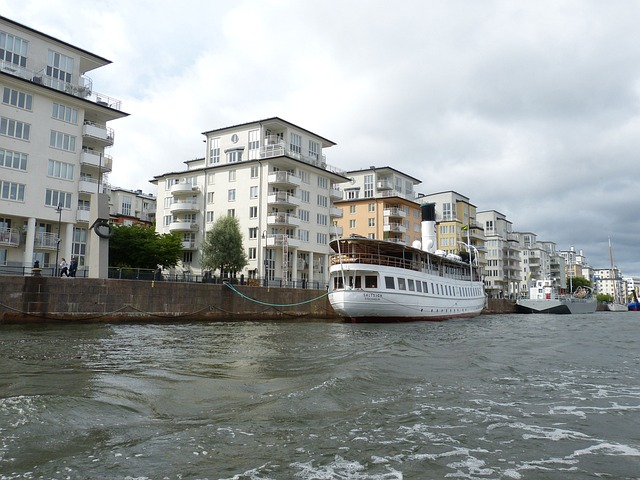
<point>343,469</point>
<point>537,432</point>
<point>606,448</point>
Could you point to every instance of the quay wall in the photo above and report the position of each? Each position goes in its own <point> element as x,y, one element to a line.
<point>43,299</point>
<point>38,299</point>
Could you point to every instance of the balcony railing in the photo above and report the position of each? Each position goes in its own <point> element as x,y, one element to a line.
<point>284,178</point>
<point>283,219</point>
<point>84,88</point>
<point>279,149</point>
<point>10,237</point>
<point>99,132</point>
<point>394,227</point>
<point>45,240</point>
<point>96,159</point>
<point>183,206</point>
<point>394,212</point>
<point>90,185</point>
<point>283,198</point>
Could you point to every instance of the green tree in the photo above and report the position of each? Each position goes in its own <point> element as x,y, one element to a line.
<point>137,246</point>
<point>576,283</point>
<point>222,249</point>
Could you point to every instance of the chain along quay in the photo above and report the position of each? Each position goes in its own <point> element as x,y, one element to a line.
<point>41,299</point>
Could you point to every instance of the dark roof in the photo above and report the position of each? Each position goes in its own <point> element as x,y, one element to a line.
<point>271,119</point>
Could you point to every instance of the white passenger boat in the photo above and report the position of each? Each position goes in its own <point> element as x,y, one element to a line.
<point>380,281</point>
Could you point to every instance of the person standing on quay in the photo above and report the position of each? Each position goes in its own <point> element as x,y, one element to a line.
<point>73,267</point>
<point>64,270</point>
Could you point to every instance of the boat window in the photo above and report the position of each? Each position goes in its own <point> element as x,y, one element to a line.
<point>401,284</point>
<point>355,281</point>
<point>412,287</point>
<point>433,290</point>
<point>425,287</point>
<point>337,283</point>
<point>371,281</point>
<point>390,283</point>
<point>419,286</point>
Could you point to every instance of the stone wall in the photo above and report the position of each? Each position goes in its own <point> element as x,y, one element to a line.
<point>36,299</point>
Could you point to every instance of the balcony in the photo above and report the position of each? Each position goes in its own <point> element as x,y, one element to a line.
<point>275,147</point>
<point>282,198</point>
<point>9,237</point>
<point>99,134</point>
<point>189,245</point>
<point>279,240</point>
<point>82,215</point>
<point>89,185</point>
<point>183,206</point>
<point>84,88</point>
<point>184,188</point>
<point>283,219</point>
<point>335,212</point>
<point>183,226</point>
<point>45,241</point>
<point>284,179</point>
<point>335,230</point>
<point>395,212</point>
<point>384,185</point>
<point>395,227</point>
<point>335,193</point>
<point>96,159</point>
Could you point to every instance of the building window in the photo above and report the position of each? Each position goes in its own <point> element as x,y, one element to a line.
<point>253,212</point>
<point>254,172</point>
<point>15,129</point>
<point>231,212</point>
<point>253,253</point>
<point>321,238</point>
<point>53,198</point>
<point>14,160</point>
<point>254,144</point>
<point>60,170</point>
<point>305,196</point>
<point>372,222</point>
<point>234,156</point>
<point>211,196</point>
<point>63,141</point>
<point>210,216</point>
<point>352,209</point>
<point>304,176</point>
<point>232,175</point>
<point>64,113</point>
<point>126,205</point>
<point>323,182</point>
<point>166,220</point>
<point>187,257</point>
<point>303,235</point>
<point>352,223</point>
<point>231,195</point>
<point>253,192</point>
<point>13,49</point>
<point>79,245</point>
<point>321,219</point>
<point>303,215</point>
<point>17,99</point>
<point>368,186</point>
<point>296,143</point>
<point>314,150</point>
<point>372,207</point>
<point>59,67</point>
<point>446,211</point>
<point>353,194</point>
<point>12,191</point>
<point>322,201</point>
<point>214,151</point>
<point>253,233</point>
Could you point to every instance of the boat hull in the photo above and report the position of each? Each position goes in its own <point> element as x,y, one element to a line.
<point>557,306</point>
<point>617,307</point>
<point>383,306</point>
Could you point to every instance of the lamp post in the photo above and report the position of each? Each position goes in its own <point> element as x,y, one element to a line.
<point>59,212</point>
<point>265,261</point>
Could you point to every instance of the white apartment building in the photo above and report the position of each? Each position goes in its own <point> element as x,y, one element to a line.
<point>131,207</point>
<point>273,177</point>
<point>539,261</point>
<point>53,138</point>
<point>502,254</point>
<point>608,281</point>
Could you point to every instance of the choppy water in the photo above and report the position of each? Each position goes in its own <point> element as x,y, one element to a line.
<point>497,397</point>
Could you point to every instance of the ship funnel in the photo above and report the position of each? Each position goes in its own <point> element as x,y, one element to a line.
<point>428,227</point>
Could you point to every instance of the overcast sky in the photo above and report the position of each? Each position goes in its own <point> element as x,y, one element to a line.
<point>530,108</point>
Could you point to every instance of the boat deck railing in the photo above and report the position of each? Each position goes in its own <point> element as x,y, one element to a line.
<point>458,272</point>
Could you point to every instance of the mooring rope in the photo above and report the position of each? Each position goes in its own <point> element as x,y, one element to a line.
<point>274,304</point>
